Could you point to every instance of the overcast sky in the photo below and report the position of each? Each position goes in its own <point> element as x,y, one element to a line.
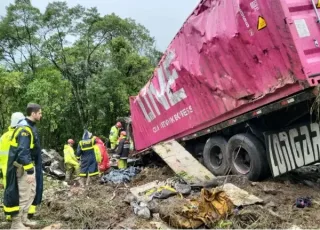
<point>163,18</point>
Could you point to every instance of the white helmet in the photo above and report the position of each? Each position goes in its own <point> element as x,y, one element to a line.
<point>15,118</point>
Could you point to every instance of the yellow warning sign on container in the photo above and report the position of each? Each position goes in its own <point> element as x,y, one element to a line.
<point>261,23</point>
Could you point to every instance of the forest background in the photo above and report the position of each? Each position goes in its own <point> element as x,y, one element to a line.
<point>80,66</point>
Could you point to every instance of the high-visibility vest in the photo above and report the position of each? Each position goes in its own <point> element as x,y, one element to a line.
<point>114,133</point>
<point>5,146</point>
<point>69,156</point>
<point>90,145</point>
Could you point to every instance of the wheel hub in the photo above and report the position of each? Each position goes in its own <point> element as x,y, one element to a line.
<point>242,161</point>
<point>216,157</point>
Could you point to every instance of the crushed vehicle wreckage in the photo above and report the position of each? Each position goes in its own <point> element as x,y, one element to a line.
<point>53,164</point>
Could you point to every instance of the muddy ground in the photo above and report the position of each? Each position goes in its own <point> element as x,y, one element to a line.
<point>102,206</point>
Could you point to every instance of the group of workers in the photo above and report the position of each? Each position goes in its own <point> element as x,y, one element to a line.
<point>21,163</point>
<point>91,158</point>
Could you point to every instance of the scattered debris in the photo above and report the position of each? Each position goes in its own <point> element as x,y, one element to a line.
<point>74,207</point>
<point>163,192</point>
<point>220,180</point>
<point>182,162</point>
<point>118,176</point>
<point>208,208</point>
<point>129,198</point>
<point>53,163</point>
<point>139,192</point>
<point>153,206</point>
<point>239,197</point>
<point>183,189</point>
<point>303,202</point>
<point>141,210</point>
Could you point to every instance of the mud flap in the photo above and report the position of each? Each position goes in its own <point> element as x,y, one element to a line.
<point>182,162</point>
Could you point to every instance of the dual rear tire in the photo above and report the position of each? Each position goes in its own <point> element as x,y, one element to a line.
<point>243,154</point>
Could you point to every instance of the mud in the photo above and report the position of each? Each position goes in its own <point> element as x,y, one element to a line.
<point>103,206</point>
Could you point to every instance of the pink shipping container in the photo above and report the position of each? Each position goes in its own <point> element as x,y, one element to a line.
<point>230,57</point>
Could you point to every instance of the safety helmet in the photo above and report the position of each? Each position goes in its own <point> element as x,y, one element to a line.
<point>123,133</point>
<point>15,118</point>
<point>119,124</point>
<point>70,141</point>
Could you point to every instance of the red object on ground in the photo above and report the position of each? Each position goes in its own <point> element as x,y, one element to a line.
<point>104,165</point>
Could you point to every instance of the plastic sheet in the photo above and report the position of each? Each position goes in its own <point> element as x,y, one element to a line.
<point>118,176</point>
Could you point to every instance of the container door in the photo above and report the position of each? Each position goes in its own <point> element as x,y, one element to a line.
<point>304,21</point>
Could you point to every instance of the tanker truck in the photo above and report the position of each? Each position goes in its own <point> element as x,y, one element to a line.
<point>237,86</point>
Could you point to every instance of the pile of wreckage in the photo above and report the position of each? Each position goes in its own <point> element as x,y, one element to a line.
<point>53,164</point>
<point>181,205</point>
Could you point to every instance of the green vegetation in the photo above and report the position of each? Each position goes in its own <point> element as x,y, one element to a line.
<point>79,65</point>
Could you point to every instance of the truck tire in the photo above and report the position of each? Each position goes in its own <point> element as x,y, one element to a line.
<point>215,157</point>
<point>247,156</point>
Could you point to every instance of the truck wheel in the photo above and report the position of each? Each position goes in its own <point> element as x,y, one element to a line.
<point>214,156</point>
<point>247,156</point>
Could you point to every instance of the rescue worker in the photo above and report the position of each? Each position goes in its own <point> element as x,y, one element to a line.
<point>104,165</point>
<point>114,134</point>
<point>71,162</point>
<point>5,146</point>
<point>24,184</point>
<point>90,157</point>
<point>120,138</point>
<point>5,143</point>
<point>123,151</point>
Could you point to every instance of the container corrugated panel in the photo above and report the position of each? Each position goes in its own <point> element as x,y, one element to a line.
<point>228,58</point>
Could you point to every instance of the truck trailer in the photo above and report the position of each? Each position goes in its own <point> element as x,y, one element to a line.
<point>238,87</point>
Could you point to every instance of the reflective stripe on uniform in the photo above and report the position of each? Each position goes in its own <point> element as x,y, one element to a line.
<point>14,142</point>
<point>90,174</point>
<point>3,152</point>
<point>84,144</point>
<point>32,209</point>
<point>28,166</point>
<point>11,209</point>
<point>93,174</point>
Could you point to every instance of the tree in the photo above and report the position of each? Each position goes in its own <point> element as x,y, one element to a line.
<point>10,88</point>
<point>80,66</point>
<point>18,36</point>
<point>53,93</point>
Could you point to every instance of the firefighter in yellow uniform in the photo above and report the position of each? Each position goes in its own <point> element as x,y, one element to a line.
<point>71,162</point>
<point>5,146</point>
<point>114,134</point>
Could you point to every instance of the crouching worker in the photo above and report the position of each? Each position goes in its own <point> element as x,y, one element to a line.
<point>71,162</point>
<point>24,182</point>
<point>123,151</point>
<point>90,156</point>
